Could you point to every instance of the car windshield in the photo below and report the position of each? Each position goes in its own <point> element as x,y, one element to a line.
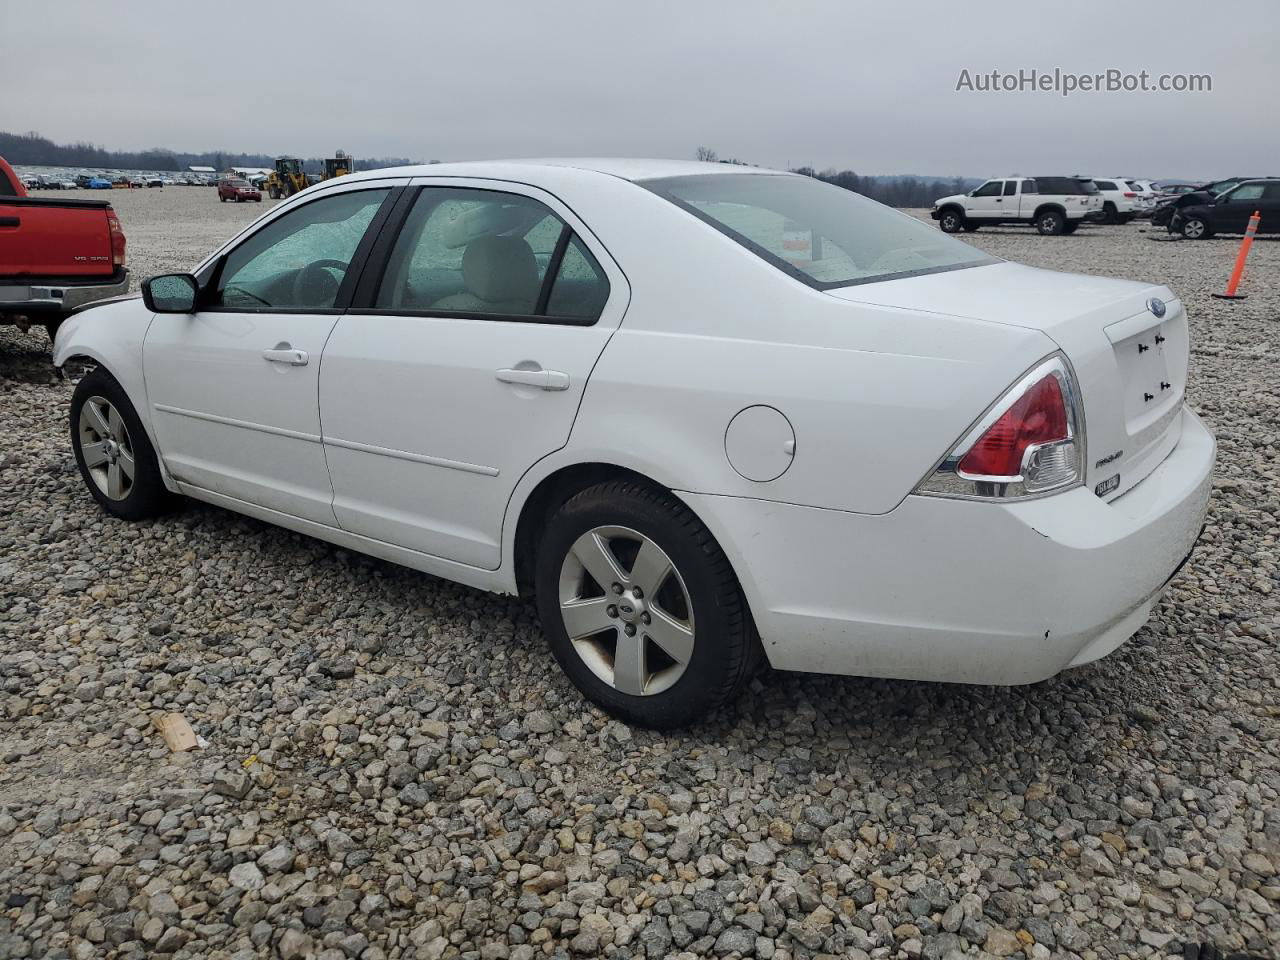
<point>820,234</point>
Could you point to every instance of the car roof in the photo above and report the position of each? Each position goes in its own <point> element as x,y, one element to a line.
<point>633,169</point>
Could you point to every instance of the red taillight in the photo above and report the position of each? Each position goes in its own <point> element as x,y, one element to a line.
<point>1039,416</point>
<point>1130,195</point>
<point>117,238</point>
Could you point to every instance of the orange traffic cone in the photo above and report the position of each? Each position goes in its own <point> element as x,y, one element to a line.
<point>1238,271</point>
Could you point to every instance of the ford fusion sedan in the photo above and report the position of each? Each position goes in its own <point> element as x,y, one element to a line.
<point>706,417</point>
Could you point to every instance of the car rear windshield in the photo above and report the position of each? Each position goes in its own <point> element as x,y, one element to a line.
<point>823,235</point>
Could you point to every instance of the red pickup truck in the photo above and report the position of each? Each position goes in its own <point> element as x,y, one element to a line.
<point>55,254</point>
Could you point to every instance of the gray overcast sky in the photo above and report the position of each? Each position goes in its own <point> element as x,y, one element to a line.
<point>832,84</point>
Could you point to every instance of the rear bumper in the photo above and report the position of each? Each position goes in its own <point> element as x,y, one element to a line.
<point>964,591</point>
<point>55,297</point>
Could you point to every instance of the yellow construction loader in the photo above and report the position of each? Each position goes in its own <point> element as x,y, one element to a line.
<point>337,166</point>
<point>286,179</point>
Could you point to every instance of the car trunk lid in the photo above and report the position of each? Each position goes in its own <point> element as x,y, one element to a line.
<point>1131,364</point>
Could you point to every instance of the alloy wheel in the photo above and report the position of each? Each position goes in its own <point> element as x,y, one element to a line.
<point>626,610</point>
<point>106,448</point>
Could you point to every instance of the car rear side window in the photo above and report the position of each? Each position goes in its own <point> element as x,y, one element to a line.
<point>1029,186</point>
<point>1010,187</point>
<point>822,235</point>
<point>466,252</point>
<point>1104,184</point>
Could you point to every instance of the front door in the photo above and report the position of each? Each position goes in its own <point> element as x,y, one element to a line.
<point>1231,212</point>
<point>233,387</point>
<point>987,202</point>
<point>464,366</point>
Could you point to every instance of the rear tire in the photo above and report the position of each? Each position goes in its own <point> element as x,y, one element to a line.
<point>656,649</point>
<point>1050,223</point>
<point>115,457</point>
<point>1109,214</point>
<point>222,198</point>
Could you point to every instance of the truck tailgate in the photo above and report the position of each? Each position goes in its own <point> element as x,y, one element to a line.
<point>44,237</point>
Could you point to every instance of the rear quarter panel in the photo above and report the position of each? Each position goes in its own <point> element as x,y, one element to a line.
<point>875,395</point>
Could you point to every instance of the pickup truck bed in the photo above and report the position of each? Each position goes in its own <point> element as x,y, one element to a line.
<point>55,254</point>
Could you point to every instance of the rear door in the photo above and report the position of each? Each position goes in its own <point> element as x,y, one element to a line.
<point>1231,212</point>
<point>478,321</point>
<point>1270,209</point>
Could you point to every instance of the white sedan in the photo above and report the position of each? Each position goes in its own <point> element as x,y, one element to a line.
<point>704,414</point>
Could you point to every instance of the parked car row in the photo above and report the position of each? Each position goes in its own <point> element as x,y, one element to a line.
<point>1058,205</point>
<point>33,181</point>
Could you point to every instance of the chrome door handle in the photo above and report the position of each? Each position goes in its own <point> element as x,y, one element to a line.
<point>295,358</point>
<point>543,379</point>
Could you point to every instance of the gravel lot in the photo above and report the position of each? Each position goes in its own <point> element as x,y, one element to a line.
<point>396,768</point>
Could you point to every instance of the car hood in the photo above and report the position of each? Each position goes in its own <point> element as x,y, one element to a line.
<point>954,198</point>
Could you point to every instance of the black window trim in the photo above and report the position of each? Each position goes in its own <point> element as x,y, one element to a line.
<point>375,267</point>
<point>792,271</point>
<point>211,274</point>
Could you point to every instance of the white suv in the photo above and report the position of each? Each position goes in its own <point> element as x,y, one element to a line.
<point>1122,200</point>
<point>1053,204</point>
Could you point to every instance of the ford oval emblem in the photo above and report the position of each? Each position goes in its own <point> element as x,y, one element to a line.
<point>1156,306</point>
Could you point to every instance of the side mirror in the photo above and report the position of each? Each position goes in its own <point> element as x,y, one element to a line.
<point>171,293</point>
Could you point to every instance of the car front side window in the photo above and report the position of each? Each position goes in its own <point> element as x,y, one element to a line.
<point>298,260</point>
<point>989,189</point>
<point>1246,192</point>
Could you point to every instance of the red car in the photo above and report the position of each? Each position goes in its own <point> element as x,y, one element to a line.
<point>238,190</point>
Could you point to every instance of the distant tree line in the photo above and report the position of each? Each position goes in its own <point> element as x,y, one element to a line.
<point>33,149</point>
<point>903,190</point>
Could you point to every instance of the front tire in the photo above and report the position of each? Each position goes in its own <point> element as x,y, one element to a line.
<point>641,607</point>
<point>1050,223</point>
<point>116,460</point>
<point>1196,228</point>
<point>951,221</point>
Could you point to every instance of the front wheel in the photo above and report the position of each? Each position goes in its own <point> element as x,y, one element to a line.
<point>951,221</point>
<point>1194,228</point>
<point>116,460</point>
<point>640,606</point>
<point>1050,223</point>
<point>222,198</point>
